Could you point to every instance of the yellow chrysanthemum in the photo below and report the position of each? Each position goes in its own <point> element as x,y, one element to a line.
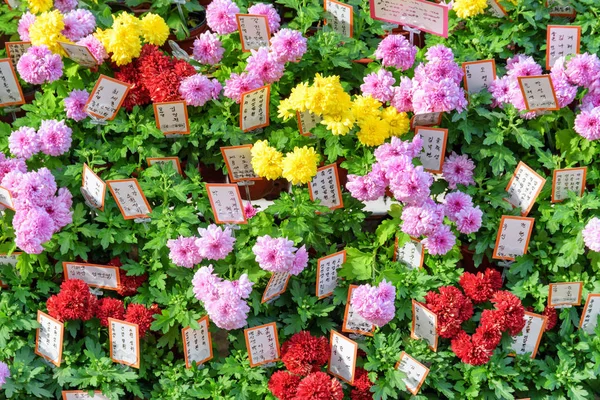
<point>266,160</point>
<point>398,123</point>
<point>469,8</point>
<point>365,107</point>
<point>39,6</point>
<point>373,131</point>
<point>154,29</point>
<point>339,124</point>
<point>46,30</point>
<point>123,39</point>
<point>299,97</point>
<point>300,165</point>
<point>315,101</point>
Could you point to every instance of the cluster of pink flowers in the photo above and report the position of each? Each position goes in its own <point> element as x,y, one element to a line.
<point>375,303</point>
<point>280,255</point>
<point>75,104</point>
<point>411,185</point>
<point>591,234</point>
<point>38,65</point>
<point>53,139</point>
<point>197,90</point>
<point>214,243</point>
<point>39,210</point>
<point>223,299</point>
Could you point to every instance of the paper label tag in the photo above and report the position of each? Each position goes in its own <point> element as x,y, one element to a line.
<point>496,9</point>
<point>226,203</point>
<point>529,339</point>
<point>239,163</point>
<point>478,74</point>
<point>49,338</point>
<point>8,260</point>
<point>130,198</point>
<point>325,186</point>
<point>94,188</point>
<point>165,160</point>
<point>424,15</point>
<point>82,395</point>
<point>524,187</point>
<point>561,41</point>
<point>353,322</point>
<point>276,286</point>
<point>106,98</point>
<point>11,93</point>
<point>591,310</point>
<point>254,31</point>
<point>411,253</point>
<point>14,51</point>
<point>80,54</point>
<point>124,342</point>
<point>415,372</point>
<point>12,4</point>
<point>513,237</point>
<point>197,344</point>
<point>307,121</point>
<point>100,276</point>
<point>561,8</point>
<point>254,109</point>
<point>565,294</point>
<point>340,17</point>
<point>434,148</point>
<point>6,198</point>
<point>172,117</point>
<point>262,343</point>
<point>327,277</point>
<point>424,325</point>
<point>567,180</point>
<point>342,359</point>
<point>426,119</point>
<point>538,93</point>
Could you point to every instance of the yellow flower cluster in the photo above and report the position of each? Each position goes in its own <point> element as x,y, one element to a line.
<point>46,30</point>
<point>469,8</point>
<point>123,38</point>
<point>39,6</point>
<point>327,99</point>
<point>298,166</point>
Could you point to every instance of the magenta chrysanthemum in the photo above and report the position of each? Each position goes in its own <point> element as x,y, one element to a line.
<point>75,103</point>
<point>238,84</point>
<point>591,234</point>
<point>220,15</point>
<point>438,96</point>
<point>208,49</point>
<point>263,65</point>
<point>375,304</point>
<point>24,142</point>
<point>184,252</point>
<point>456,202</point>
<point>215,243</point>
<point>379,85</point>
<point>396,51</point>
<point>197,90</point>
<point>587,124</point>
<point>469,220</point>
<point>458,170</point>
<point>268,11</point>
<point>440,242</point>
<point>439,52</point>
<point>288,45</point>
<point>38,65</point>
<point>583,69</point>
<point>55,137</point>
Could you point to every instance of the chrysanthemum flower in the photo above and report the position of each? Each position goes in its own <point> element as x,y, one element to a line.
<point>215,243</point>
<point>591,234</point>
<point>469,8</point>
<point>140,315</point>
<point>109,308</point>
<point>154,29</point>
<point>266,161</point>
<point>300,165</point>
<point>74,301</point>
<point>304,353</point>
<point>319,385</point>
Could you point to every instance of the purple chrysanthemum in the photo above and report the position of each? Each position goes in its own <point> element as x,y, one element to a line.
<point>379,85</point>
<point>456,202</point>
<point>458,170</point>
<point>214,242</point>
<point>591,234</point>
<point>396,51</point>
<point>38,65</point>
<point>288,45</point>
<point>263,65</point>
<point>237,84</point>
<point>220,15</point>
<point>440,242</point>
<point>208,49</point>
<point>469,220</point>
<point>55,137</point>
<point>184,252</point>
<point>24,142</point>
<point>65,6</point>
<point>75,103</point>
<point>268,11</point>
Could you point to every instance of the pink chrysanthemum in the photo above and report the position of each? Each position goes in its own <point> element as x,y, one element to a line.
<point>24,23</point>
<point>24,142</point>
<point>268,11</point>
<point>197,90</point>
<point>215,243</point>
<point>396,51</point>
<point>423,220</point>
<point>78,24</point>
<point>274,254</point>
<point>440,242</point>
<point>412,187</point>
<point>238,84</point>
<point>263,65</point>
<point>55,137</point>
<point>288,45</point>
<point>38,65</point>
<point>220,15</point>
<point>456,202</point>
<point>591,234</point>
<point>458,170</point>
<point>65,6</point>
<point>95,47</point>
<point>583,69</point>
<point>375,304</point>
<point>75,103</point>
<point>208,49</point>
<point>184,252</point>
<point>379,85</point>
<point>402,98</point>
<point>438,96</point>
<point>439,52</point>
<point>469,220</point>
<point>587,124</point>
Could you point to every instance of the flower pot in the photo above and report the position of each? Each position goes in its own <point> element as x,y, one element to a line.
<point>469,265</point>
<point>265,189</point>
<point>210,174</point>
<point>187,44</point>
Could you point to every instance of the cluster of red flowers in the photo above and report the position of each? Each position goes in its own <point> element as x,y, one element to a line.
<point>304,353</point>
<point>315,386</point>
<point>452,308</point>
<point>549,312</point>
<point>154,77</point>
<point>362,386</point>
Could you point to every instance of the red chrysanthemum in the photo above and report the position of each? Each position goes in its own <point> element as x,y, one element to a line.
<point>109,308</point>
<point>549,312</point>
<point>362,385</point>
<point>130,284</point>
<point>115,262</point>
<point>283,385</point>
<point>140,315</point>
<point>183,69</point>
<point>511,311</point>
<point>73,302</point>
<point>469,352</point>
<point>304,353</point>
<point>137,95</point>
<point>482,286</point>
<point>452,308</point>
<point>319,386</point>
<point>489,331</point>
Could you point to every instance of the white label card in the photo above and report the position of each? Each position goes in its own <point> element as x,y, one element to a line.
<point>94,188</point>
<point>495,9</point>
<point>561,41</point>
<point>529,339</point>
<point>82,395</point>
<point>325,186</point>
<point>538,92</point>
<point>434,148</point>
<point>426,119</point>
<point>239,163</point>
<point>424,15</point>
<point>49,338</point>
<point>254,31</point>
<point>353,322</point>
<point>342,360</point>
<point>15,50</point>
<point>254,109</point>
<point>101,276</point>
<point>197,344</point>
<point>561,8</point>
<point>589,317</point>
<point>262,343</point>
<point>411,254</point>
<point>226,203</point>
<point>327,277</point>
<point>565,294</point>
<point>12,4</point>
<point>10,90</point>
<point>277,285</point>
<point>568,180</point>
<point>130,198</point>
<point>479,74</point>
<point>80,54</point>
<point>513,237</point>
<point>106,98</point>
<point>424,325</point>
<point>524,188</point>
<point>124,342</point>
<point>307,121</point>
<point>172,118</point>
<point>10,260</point>
<point>6,199</point>
<point>339,17</point>
<point>415,372</point>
